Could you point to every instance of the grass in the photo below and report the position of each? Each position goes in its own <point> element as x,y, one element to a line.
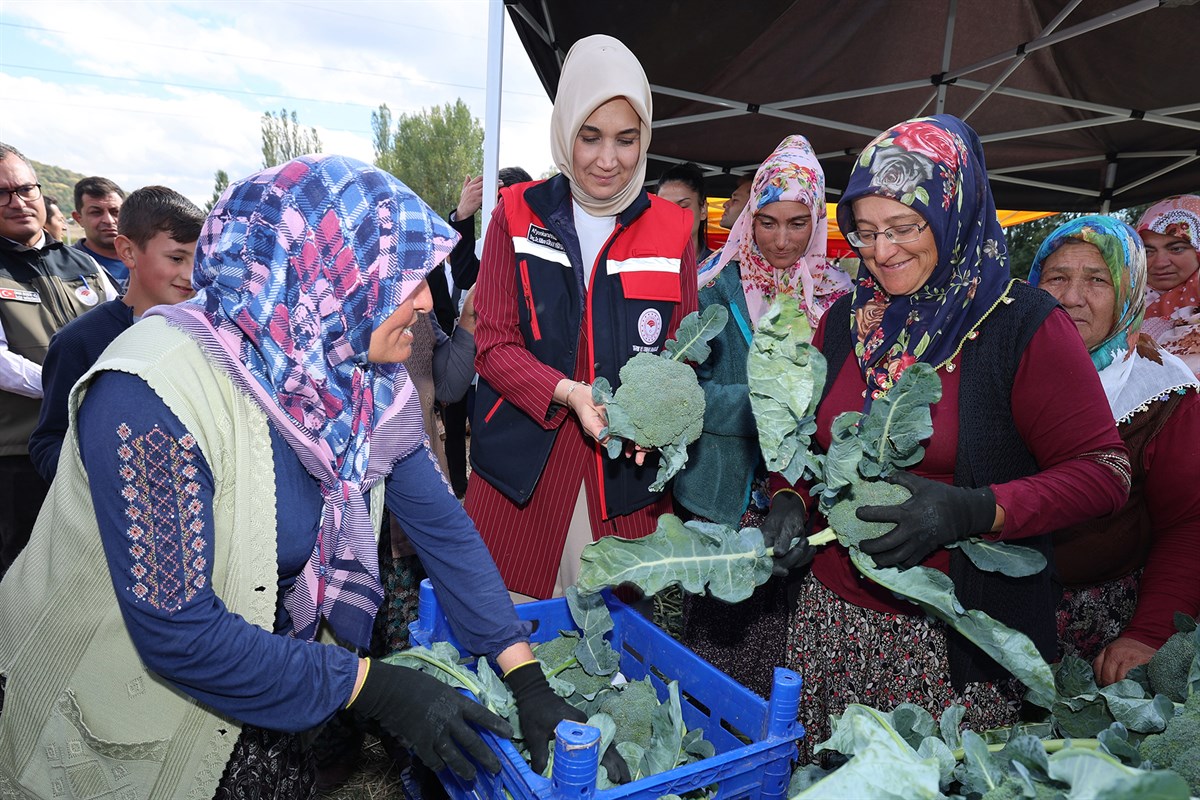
<point>377,777</point>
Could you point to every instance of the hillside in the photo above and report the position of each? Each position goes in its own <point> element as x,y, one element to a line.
<point>58,183</point>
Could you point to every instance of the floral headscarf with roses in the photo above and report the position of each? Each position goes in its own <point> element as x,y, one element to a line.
<point>792,173</point>
<point>295,268</point>
<point>1179,218</point>
<point>934,165</point>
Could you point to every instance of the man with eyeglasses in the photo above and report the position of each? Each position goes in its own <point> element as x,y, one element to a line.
<point>43,286</point>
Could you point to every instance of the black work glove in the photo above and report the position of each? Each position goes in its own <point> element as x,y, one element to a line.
<point>430,718</point>
<point>936,515</point>
<point>540,710</point>
<point>787,520</point>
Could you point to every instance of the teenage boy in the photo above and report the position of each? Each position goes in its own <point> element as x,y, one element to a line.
<point>157,237</point>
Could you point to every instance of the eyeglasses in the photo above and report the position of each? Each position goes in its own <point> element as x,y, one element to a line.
<point>897,234</point>
<point>28,192</point>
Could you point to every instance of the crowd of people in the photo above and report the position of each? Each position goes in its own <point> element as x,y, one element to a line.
<point>231,445</point>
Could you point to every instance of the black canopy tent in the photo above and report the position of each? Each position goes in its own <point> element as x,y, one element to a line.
<point>1081,104</point>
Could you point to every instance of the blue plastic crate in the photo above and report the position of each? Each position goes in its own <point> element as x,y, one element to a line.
<point>754,740</point>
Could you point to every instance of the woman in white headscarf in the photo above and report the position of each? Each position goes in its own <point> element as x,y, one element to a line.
<point>579,273</point>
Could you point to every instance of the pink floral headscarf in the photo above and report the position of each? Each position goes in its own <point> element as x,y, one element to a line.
<point>792,173</point>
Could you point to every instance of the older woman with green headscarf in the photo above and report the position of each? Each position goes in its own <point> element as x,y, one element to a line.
<point>1126,575</point>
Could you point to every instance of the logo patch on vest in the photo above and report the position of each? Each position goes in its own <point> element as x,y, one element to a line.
<point>20,295</point>
<point>87,296</point>
<point>544,238</point>
<point>650,325</point>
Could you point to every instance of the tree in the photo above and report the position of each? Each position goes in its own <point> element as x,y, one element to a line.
<point>219,186</point>
<point>431,151</point>
<point>283,138</point>
<point>1025,239</point>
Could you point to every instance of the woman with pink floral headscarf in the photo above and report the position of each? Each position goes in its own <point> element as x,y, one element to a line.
<point>1170,230</point>
<point>775,251</point>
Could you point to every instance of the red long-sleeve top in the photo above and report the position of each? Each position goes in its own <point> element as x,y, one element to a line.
<point>1063,418</point>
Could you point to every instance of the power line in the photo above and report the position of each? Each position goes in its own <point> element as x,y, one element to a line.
<point>243,57</point>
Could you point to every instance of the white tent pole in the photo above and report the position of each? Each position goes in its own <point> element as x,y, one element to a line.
<point>1019,60</point>
<point>1065,162</point>
<point>1157,116</point>
<point>1054,187</point>
<point>1069,33</point>
<point>1110,180</point>
<point>1183,162</point>
<point>710,116</point>
<point>946,48</point>
<point>491,121</point>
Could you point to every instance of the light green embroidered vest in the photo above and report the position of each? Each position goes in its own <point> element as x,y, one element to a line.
<point>82,716</point>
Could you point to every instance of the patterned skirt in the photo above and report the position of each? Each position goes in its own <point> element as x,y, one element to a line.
<point>1090,618</point>
<point>849,654</point>
<point>268,765</point>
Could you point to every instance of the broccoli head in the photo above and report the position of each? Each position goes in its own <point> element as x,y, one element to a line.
<point>632,709</point>
<point>658,403</point>
<point>1178,747</point>
<point>1168,669</point>
<point>849,528</point>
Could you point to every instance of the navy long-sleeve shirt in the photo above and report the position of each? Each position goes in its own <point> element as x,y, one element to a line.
<point>147,474</point>
<point>72,352</point>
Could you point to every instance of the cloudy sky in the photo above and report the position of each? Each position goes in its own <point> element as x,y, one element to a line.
<point>169,92</point>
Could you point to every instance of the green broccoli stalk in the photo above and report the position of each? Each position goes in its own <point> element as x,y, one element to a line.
<point>659,404</point>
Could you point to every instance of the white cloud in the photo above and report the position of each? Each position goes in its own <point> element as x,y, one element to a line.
<point>156,92</point>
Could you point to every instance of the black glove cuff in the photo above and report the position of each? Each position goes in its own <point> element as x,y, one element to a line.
<point>981,508</point>
<point>527,680</point>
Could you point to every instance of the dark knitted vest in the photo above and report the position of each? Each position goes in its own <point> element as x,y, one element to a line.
<point>990,450</point>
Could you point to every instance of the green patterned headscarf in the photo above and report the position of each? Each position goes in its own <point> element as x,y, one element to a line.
<point>1123,252</point>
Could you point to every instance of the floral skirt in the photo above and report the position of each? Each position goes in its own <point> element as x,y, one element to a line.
<point>848,654</point>
<point>1090,618</point>
<point>268,765</point>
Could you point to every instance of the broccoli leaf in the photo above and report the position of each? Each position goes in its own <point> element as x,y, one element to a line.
<point>694,333</point>
<point>934,592</point>
<point>891,434</point>
<point>883,764</point>
<point>950,723</point>
<point>696,555</point>
<point>593,651</point>
<point>666,743</point>
<point>786,376</point>
<point>1129,706</point>
<point>1114,740</point>
<point>843,457</point>
<point>1091,773</point>
<point>979,772</point>
<point>1008,559</point>
<point>671,460</point>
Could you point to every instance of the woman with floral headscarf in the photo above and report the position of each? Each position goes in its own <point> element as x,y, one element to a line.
<point>1126,575</point>
<point>217,475</point>
<point>1008,458</point>
<point>775,250</point>
<point>579,273</point>
<point>1170,230</point>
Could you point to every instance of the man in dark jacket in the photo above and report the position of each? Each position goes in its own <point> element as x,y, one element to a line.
<point>43,286</point>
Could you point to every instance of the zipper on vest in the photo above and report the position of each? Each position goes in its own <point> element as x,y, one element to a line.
<point>591,365</point>
<point>528,290</point>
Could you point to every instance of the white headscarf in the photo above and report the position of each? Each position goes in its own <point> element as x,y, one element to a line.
<point>597,69</point>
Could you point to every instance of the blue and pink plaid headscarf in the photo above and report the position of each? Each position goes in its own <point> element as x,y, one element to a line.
<point>295,268</point>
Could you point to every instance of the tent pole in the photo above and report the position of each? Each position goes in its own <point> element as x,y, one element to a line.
<point>1183,162</point>
<point>1110,180</point>
<point>946,48</point>
<point>1046,41</point>
<point>1065,162</point>
<point>1054,187</point>
<point>1019,60</point>
<point>491,120</point>
<point>1154,115</point>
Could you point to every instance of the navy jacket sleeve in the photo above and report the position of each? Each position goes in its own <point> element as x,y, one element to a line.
<point>468,585</point>
<point>464,264</point>
<point>153,491</point>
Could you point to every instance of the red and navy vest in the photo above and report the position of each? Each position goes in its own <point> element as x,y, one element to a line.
<point>634,291</point>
